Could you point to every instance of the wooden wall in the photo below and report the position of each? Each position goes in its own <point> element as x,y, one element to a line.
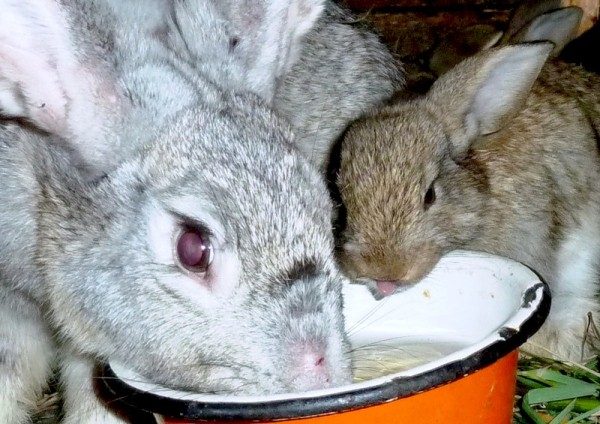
<point>405,4</point>
<point>414,29</point>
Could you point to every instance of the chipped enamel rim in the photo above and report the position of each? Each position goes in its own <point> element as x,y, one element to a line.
<point>490,304</point>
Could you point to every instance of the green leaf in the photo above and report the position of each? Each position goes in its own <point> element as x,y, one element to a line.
<point>531,413</point>
<point>549,376</point>
<point>529,383</point>
<point>581,404</point>
<point>564,413</point>
<point>549,394</point>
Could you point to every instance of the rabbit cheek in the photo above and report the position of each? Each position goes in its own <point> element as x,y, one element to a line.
<point>210,289</point>
<point>351,260</point>
<point>421,263</point>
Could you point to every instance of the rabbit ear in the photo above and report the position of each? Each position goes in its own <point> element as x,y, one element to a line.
<point>42,78</point>
<point>525,13</point>
<point>33,46</point>
<point>483,93</point>
<point>261,37</point>
<point>270,34</point>
<point>559,26</point>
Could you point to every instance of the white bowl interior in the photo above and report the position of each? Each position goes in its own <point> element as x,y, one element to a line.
<point>464,299</point>
<point>462,305</point>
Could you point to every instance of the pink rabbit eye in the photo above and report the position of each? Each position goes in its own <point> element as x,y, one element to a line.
<point>194,250</point>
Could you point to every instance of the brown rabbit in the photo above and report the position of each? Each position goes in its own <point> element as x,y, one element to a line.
<point>489,161</point>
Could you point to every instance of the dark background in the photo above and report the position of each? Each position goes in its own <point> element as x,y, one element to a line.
<point>413,29</point>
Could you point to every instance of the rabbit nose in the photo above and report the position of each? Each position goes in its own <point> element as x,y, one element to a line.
<point>386,287</point>
<point>311,369</point>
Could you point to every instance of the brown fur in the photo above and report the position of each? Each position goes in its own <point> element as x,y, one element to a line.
<point>516,184</point>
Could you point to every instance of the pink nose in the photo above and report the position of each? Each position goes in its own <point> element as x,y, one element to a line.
<point>386,288</point>
<point>310,369</point>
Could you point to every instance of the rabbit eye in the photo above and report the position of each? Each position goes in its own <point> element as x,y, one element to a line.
<point>194,250</point>
<point>429,197</point>
<point>233,42</point>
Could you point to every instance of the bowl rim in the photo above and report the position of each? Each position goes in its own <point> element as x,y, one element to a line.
<point>115,390</point>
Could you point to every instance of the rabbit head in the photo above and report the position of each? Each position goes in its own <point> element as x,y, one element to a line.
<point>244,45</point>
<point>410,188</point>
<point>205,263</point>
<point>203,260</point>
<point>278,26</point>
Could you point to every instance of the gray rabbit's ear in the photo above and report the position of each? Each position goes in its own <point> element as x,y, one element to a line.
<point>34,50</point>
<point>483,93</point>
<point>261,38</point>
<point>42,78</point>
<point>558,26</point>
<point>270,34</point>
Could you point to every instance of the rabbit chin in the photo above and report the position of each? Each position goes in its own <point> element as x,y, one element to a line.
<point>219,380</point>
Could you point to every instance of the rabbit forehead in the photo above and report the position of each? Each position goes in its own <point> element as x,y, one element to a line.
<point>392,157</point>
<point>239,164</point>
<point>407,135</point>
<point>388,163</point>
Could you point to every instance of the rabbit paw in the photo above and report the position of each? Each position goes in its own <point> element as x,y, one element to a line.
<point>575,343</point>
<point>81,404</point>
<point>92,417</point>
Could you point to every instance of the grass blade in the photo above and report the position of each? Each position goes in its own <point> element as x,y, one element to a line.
<point>549,394</point>
<point>585,415</point>
<point>530,412</point>
<point>564,413</point>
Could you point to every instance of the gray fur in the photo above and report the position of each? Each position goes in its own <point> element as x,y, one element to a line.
<point>80,251</point>
<point>343,72</point>
<point>334,71</point>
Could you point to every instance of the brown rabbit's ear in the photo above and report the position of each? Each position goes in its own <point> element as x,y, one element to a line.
<point>483,93</point>
<point>525,13</point>
<point>558,26</point>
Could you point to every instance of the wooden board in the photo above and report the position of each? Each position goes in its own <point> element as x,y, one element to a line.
<point>428,4</point>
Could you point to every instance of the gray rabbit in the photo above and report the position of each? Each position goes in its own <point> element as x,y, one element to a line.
<point>195,248</point>
<point>343,71</point>
<point>334,71</point>
<point>488,160</point>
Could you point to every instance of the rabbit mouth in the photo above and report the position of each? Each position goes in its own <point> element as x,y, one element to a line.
<point>383,288</point>
<point>221,380</point>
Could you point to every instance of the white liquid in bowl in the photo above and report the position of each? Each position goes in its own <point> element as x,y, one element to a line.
<point>380,359</point>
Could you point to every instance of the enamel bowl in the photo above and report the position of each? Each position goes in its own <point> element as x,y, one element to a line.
<point>474,309</point>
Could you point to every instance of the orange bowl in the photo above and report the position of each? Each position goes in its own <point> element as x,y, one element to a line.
<point>480,307</point>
